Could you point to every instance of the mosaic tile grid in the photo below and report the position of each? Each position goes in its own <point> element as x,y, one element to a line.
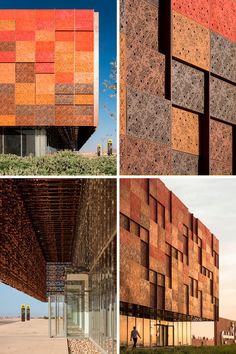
<point>48,57</point>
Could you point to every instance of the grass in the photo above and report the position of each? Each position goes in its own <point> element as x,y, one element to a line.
<point>184,350</point>
<point>64,163</point>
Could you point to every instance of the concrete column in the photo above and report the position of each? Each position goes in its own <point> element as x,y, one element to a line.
<point>40,142</point>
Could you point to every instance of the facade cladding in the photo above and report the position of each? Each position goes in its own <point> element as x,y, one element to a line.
<point>225,332</point>
<point>48,78</point>
<point>169,265</point>
<point>58,244</point>
<point>177,87</point>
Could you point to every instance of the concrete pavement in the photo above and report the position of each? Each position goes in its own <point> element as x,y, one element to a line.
<point>30,337</point>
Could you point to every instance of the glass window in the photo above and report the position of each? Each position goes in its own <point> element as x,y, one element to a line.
<point>154,334</point>
<point>124,222</point>
<point>161,215</point>
<point>144,254</point>
<point>153,209</point>
<point>12,141</point>
<point>123,330</point>
<point>1,144</point>
<point>139,327</point>
<point>28,142</point>
<point>134,228</point>
<point>146,336</point>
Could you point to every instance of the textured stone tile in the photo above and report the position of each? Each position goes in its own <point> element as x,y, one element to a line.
<point>223,18</point>
<point>122,83</point>
<point>64,88</point>
<point>184,164</point>
<point>148,117</point>
<point>7,88</point>
<point>64,115</point>
<point>220,168</point>
<point>198,11</point>
<point>25,72</point>
<point>84,88</point>
<point>142,157</point>
<point>187,87</point>
<point>223,100</point>
<point>142,19</point>
<point>7,103</point>
<point>223,54</point>
<point>221,142</point>
<point>185,131</point>
<point>84,110</point>
<point>7,46</point>
<point>191,41</point>
<point>25,110</point>
<point>44,115</point>
<point>64,99</point>
<point>146,70</point>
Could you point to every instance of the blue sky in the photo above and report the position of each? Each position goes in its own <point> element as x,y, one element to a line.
<point>107,48</point>
<point>12,299</point>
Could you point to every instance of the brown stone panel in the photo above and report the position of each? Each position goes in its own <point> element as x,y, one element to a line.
<point>146,70</point>
<point>64,99</point>
<point>141,16</point>
<point>64,89</point>
<point>7,102</point>
<point>185,131</point>
<point>142,157</point>
<point>187,87</point>
<point>148,117</point>
<point>7,46</point>
<point>122,83</point>
<point>221,142</point>
<point>220,168</point>
<point>25,72</point>
<point>191,41</point>
<point>223,100</point>
<point>22,264</point>
<point>184,163</point>
<point>44,115</point>
<point>84,89</point>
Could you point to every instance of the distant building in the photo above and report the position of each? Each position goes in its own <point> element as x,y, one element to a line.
<point>225,332</point>
<point>169,266</point>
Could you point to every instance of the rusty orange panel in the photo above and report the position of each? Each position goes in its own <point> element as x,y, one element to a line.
<point>45,84</point>
<point>84,20</point>
<point>223,18</point>
<point>44,68</point>
<point>7,14</point>
<point>64,36</point>
<point>44,35</point>
<point>185,131</point>
<point>7,25</point>
<point>7,57</point>
<point>7,36</point>
<point>25,20</point>
<point>7,73</point>
<point>191,41</point>
<point>198,11</point>
<point>25,94</point>
<point>45,46</point>
<point>84,41</point>
<point>45,19</point>
<point>84,62</point>
<point>84,78</point>
<point>7,120</point>
<point>45,99</point>
<point>84,99</point>
<point>25,51</point>
<point>64,77</point>
<point>24,35</point>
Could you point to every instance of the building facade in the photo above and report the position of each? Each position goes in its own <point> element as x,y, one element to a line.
<point>169,266</point>
<point>58,244</point>
<point>177,87</point>
<point>48,79</point>
<point>225,332</point>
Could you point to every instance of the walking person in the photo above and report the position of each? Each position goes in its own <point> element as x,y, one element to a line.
<point>134,335</point>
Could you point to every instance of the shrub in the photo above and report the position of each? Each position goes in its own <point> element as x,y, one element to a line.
<point>65,163</point>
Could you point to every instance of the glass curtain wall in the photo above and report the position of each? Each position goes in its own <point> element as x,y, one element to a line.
<point>102,303</point>
<point>155,333</point>
<point>57,311</point>
<point>17,141</point>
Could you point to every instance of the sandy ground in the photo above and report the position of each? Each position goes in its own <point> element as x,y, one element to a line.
<point>30,337</point>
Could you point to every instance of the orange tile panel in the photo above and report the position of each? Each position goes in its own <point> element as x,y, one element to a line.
<point>64,47</point>
<point>84,41</point>
<point>64,19</point>
<point>25,51</point>
<point>223,18</point>
<point>25,94</point>
<point>7,73</point>
<point>84,62</point>
<point>64,77</point>
<point>45,57</point>
<point>45,99</point>
<point>44,35</point>
<point>84,99</point>
<point>45,84</point>
<point>25,20</point>
<point>7,120</point>
<point>65,64</point>
<point>84,20</point>
<point>84,78</point>
<point>191,41</point>
<point>45,46</point>
<point>198,11</point>
<point>7,25</point>
<point>185,131</point>
<point>64,36</point>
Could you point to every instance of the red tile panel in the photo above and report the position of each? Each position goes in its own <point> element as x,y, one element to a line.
<point>223,18</point>
<point>198,11</point>
<point>64,19</point>
<point>84,20</point>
